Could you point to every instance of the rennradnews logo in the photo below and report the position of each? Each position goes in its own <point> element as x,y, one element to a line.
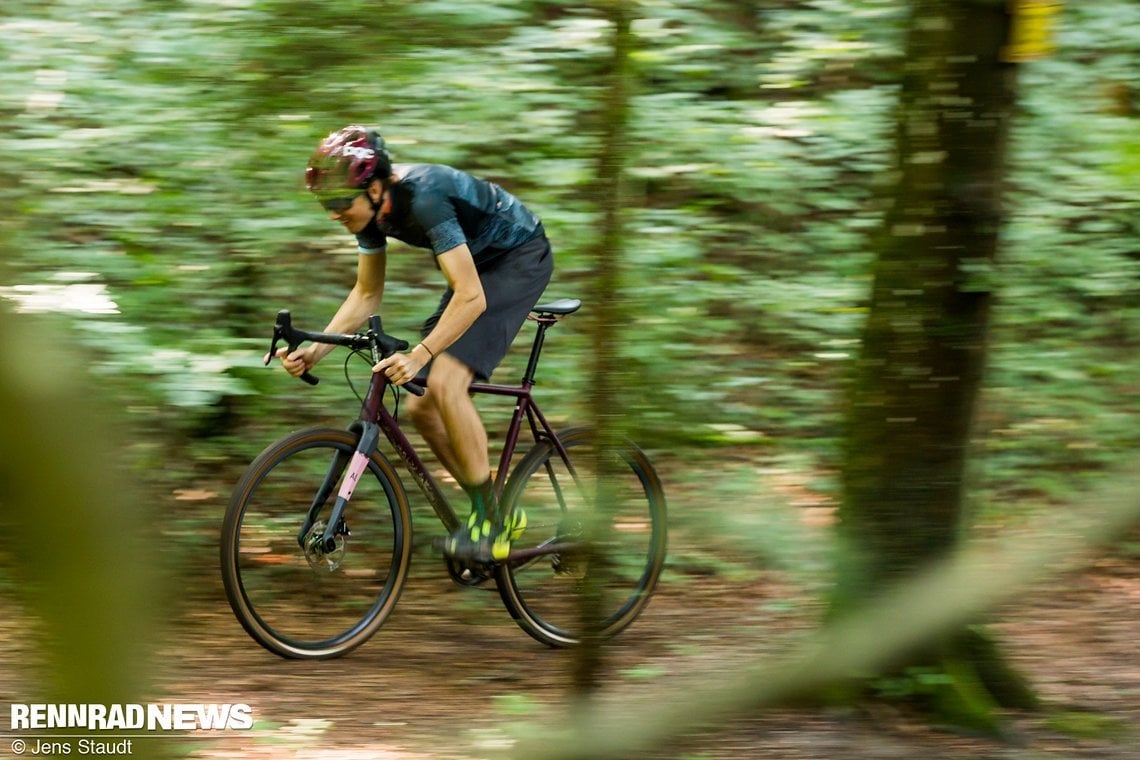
<point>150,717</point>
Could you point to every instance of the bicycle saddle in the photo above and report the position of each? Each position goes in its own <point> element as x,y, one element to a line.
<point>561,306</point>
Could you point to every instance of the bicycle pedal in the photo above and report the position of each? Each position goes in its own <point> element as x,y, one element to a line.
<point>470,576</point>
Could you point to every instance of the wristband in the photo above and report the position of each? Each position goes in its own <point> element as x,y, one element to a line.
<point>425,348</point>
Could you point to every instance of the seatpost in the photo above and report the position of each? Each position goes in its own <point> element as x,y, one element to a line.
<point>535,350</point>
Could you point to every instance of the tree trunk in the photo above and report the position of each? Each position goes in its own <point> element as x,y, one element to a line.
<point>911,403</point>
<point>607,320</point>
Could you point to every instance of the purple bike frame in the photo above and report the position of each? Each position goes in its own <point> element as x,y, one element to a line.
<point>525,407</point>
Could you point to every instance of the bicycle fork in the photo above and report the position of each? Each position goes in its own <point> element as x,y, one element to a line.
<point>357,464</point>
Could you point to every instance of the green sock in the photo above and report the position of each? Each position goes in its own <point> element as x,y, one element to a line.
<point>483,502</point>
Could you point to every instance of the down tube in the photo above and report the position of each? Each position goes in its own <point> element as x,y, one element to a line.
<point>416,469</point>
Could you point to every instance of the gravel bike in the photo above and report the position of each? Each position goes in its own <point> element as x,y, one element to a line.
<point>317,538</point>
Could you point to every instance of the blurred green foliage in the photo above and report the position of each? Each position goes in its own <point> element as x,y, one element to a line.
<point>152,179</point>
<point>77,549</point>
<point>155,148</point>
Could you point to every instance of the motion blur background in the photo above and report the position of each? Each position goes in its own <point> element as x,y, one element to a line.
<point>154,220</point>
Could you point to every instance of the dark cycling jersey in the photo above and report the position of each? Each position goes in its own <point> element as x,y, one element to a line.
<point>438,207</point>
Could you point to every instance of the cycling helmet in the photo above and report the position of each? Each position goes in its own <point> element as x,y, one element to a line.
<point>348,159</point>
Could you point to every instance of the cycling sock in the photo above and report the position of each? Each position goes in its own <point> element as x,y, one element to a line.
<point>484,505</point>
<point>484,537</point>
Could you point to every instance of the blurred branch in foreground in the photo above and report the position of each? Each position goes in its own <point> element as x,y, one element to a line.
<point>978,578</point>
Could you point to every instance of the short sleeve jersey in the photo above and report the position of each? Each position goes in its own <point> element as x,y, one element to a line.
<point>438,207</point>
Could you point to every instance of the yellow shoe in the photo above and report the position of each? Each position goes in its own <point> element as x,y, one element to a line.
<point>482,541</point>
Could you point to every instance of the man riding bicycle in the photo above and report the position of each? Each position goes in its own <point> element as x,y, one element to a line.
<point>496,260</point>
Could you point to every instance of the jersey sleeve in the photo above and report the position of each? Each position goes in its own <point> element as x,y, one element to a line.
<point>436,214</point>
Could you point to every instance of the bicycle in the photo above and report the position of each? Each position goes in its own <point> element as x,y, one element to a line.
<point>317,538</point>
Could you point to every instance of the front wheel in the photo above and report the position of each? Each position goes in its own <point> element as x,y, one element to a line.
<point>291,593</point>
<point>585,535</point>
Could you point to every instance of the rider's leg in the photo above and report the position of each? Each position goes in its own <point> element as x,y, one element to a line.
<point>447,419</point>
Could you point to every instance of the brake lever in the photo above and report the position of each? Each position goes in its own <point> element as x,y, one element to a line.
<point>385,345</point>
<point>283,330</point>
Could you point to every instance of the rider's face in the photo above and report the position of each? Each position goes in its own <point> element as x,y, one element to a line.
<point>354,213</point>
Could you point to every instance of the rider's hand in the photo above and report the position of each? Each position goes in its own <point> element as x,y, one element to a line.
<point>297,362</point>
<point>403,368</point>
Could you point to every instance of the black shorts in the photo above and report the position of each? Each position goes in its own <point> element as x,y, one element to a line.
<point>512,285</point>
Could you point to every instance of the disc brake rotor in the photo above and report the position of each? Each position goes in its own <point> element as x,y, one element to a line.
<point>315,553</point>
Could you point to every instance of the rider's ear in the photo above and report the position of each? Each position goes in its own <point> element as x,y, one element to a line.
<point>375,190</point>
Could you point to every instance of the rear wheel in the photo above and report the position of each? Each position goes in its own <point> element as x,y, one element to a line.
<point>294,596</point>
<point>553,564</point>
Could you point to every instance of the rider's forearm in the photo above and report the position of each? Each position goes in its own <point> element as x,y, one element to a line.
<point>357,307</point>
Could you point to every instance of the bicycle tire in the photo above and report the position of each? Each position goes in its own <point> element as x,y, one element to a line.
<point>313,605</point>
<point>543,594</point>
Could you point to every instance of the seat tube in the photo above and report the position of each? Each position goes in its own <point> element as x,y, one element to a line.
<point>522,408</point>
<point>535,350</point>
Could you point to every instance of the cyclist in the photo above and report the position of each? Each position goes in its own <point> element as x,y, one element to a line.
<point>496,260</point>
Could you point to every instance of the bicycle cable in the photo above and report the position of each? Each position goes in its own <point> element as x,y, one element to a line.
<point>395,399</point>
<point>368,360</point>
<point>348,376</point>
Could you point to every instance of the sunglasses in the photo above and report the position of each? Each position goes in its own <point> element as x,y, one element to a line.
<point>339,205</point>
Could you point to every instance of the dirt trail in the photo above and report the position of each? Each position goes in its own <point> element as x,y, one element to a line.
<point>451,676</point>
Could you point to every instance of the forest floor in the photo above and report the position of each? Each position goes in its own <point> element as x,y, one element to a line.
<point>451,676</point>
<point>446,675</point>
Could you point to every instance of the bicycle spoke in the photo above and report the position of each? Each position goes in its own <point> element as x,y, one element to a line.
<point>555,556</point>
<point>294,596</point>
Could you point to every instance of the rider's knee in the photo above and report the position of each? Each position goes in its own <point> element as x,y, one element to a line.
<point>449,380</point>
<point>422,410</point>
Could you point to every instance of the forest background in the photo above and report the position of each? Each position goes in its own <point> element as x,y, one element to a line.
<point>153,202</point>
